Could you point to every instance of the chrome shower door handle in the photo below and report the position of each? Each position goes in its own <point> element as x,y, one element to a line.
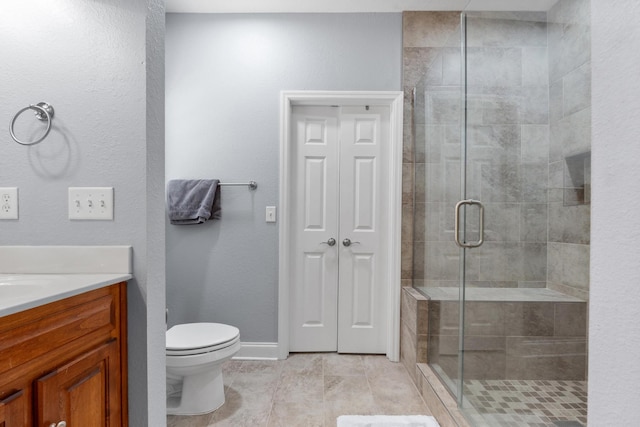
<point>456,232</point>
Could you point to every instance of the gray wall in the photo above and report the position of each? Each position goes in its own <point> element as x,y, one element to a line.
<point>89,60</point>
<point>614,332</point>
<point>224,77</point>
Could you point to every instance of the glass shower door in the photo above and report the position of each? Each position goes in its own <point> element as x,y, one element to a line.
<point>438,167</point>
<point>519,358</point>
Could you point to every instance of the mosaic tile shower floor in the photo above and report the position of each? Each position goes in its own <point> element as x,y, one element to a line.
<point>530,403</point>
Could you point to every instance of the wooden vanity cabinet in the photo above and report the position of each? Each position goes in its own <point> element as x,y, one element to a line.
<point>13,410</point>
<point>66,361</point>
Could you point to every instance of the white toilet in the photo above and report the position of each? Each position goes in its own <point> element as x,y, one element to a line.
<point>195,354</point>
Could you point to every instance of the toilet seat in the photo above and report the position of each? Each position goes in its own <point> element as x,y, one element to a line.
<point>198,338</point>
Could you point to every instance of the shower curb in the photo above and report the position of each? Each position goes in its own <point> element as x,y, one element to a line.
<point>442,405</point>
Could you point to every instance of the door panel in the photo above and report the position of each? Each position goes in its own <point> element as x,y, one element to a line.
<point>314,266</point>
<point>364,211</point>
<point>314,290</point>
<point>362,311</point>
<point>14,411</point>
<point>83,392</point>
<point>315,200</point>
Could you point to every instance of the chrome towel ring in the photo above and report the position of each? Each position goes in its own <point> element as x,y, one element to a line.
<point>43,111</point>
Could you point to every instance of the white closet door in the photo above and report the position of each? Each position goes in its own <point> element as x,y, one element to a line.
<point>314,264</point>
<point>362,318</point>
<point>337,294</point>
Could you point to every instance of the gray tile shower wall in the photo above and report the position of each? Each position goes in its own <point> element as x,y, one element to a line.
<point>502,337</point>
<point>414,330</point>
<point>430,42</point>
<point>569,138</point>
<point>529,139</point>
<point>528,112</point>
<point>508,146</point>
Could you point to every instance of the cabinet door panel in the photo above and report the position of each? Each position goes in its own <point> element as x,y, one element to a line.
<point>84,392</point>
<point>14,411</point>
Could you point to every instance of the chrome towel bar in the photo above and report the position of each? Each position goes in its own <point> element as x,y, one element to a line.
<point>251,184</point>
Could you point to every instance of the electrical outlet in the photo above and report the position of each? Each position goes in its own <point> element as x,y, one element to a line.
<point>8,203</point>
<point>94,203</point>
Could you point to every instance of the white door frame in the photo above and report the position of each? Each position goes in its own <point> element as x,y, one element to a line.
<point>393,100</point>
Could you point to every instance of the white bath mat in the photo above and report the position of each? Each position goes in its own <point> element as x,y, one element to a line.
<point>387,421</point>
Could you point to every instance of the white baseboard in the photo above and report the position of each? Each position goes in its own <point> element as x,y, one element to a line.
<point>257,351</point>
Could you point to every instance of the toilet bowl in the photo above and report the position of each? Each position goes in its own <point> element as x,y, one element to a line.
<point>195,353</point>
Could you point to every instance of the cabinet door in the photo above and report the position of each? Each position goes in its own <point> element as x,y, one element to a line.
<point>14,411</point>
<point>83,393</point>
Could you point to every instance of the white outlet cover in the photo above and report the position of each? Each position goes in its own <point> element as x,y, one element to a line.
<point>92,203</point>
<point>8,203</point>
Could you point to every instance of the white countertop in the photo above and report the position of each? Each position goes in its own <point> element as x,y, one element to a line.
<point>31,276</point>
<point>20,292</point>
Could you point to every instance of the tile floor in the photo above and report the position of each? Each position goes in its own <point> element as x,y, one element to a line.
<point>310,390</point>
<point>529,403</point>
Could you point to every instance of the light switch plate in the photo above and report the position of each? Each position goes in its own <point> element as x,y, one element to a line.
<point>270,214</point>
<point>8,203</point>
<point>93,203</point>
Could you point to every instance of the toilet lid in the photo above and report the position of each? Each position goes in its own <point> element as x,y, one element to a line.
<point>199,335</point>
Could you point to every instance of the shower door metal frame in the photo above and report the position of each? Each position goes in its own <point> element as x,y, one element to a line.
<point>463,196</point>
<point>460,219</point>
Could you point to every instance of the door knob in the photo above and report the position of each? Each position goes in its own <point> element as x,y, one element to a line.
<point>60,424</point>
<point>348,242</point>
<point>329,242</point>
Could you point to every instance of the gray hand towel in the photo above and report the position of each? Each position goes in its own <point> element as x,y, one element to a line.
<point>193,201</point>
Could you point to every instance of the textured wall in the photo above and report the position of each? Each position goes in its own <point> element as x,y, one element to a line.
<point>224,77</point>
<point>614,334</point>
<point>155,218</point>
<point>88,60</point>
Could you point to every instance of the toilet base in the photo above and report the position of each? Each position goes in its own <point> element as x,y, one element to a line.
<point>201,394</point>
